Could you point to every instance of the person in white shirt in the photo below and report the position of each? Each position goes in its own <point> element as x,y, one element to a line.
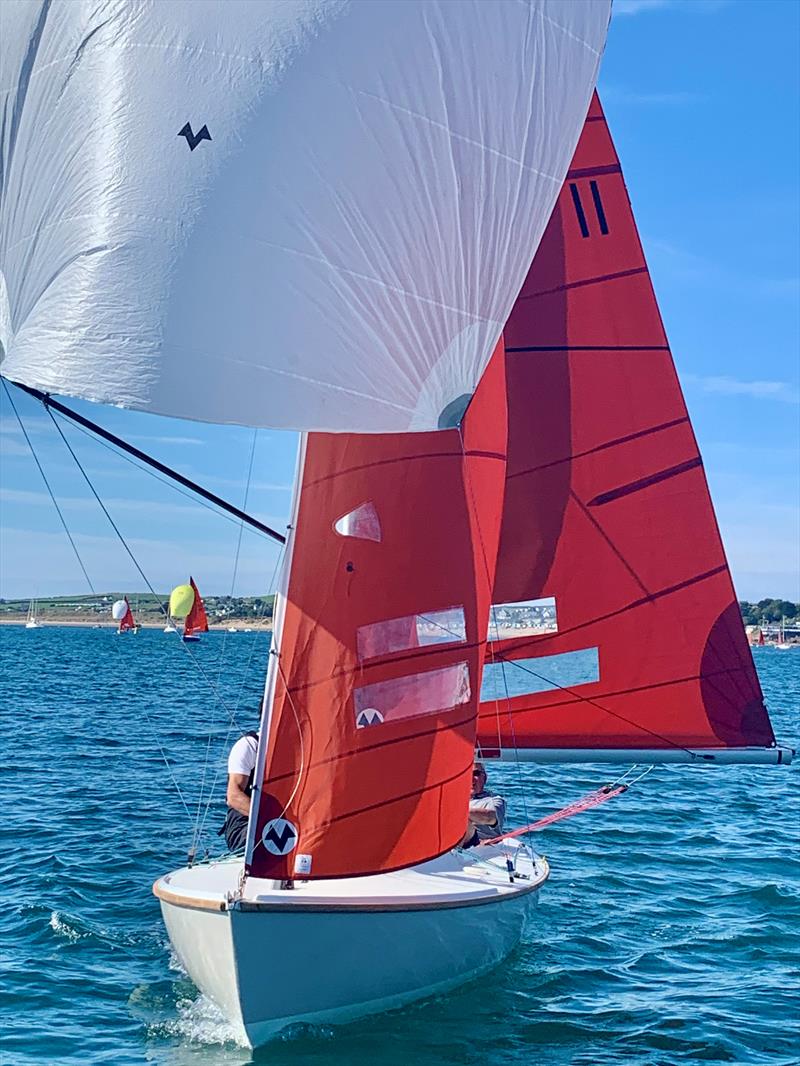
<point>241,767</point>
<point>487,810</point>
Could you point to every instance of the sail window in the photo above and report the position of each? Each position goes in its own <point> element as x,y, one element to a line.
<point>522,619</point>
<point>412,696</point>
<point>362,522</point>
<point>522,677</point>
<point>412,631</point>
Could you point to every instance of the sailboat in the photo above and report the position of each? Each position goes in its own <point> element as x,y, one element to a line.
<point>186,602</point>
<point>196,621</point>
<point>545,489</point>
<point>31,622</point>
<point>428,144</point>
<point>783,644</point>
<point>122,614</point>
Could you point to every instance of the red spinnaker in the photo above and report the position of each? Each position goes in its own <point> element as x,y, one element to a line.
<point>370,745</point>
<point>196,620</point>
<point>606,508</point>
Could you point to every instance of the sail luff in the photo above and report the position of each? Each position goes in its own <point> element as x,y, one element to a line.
<point>268,700</point>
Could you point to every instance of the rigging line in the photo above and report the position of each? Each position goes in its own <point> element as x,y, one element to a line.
<point>225,636</point>
<point>226,742</point>
<point>593,799</point>
<point>301,766</point>
<point>152,729</point>
<point>600,707</point>
<point>51,404</point>
<point>490,588</point>
<point>47,485</point>
<point>164,481</point>
<point>87,479</point>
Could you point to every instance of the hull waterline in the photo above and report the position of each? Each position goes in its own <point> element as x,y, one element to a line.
<point>333,952</point>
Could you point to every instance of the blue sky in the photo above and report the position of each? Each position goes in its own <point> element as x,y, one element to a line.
<point>703,101</point>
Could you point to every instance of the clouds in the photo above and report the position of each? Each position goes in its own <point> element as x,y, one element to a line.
<point>615,94</point>
<point>686,265</point>
<point>43,563</point>
<point>646,7</point>
<point>781,391</point>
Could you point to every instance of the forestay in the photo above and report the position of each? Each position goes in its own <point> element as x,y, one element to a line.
<point>311,214</point>
<point>381,638</point>
<point>615,622</point>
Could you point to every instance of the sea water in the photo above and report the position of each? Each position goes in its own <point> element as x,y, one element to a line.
<point>668,933</point>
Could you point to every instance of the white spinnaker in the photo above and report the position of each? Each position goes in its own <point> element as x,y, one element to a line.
<point>340,255</point>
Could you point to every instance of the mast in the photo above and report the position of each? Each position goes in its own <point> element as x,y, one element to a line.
<point>278,614</point>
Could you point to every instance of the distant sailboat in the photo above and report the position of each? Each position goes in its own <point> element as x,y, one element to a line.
<point>170,628</point>
<point>121,612</point>
<point>186,602</point>
<point>783,644</point>
<point>31,622</point>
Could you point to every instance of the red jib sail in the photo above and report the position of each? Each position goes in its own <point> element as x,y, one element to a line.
<point>634,638</point>
<point>196,620</point>
<point>381,647</point>
<point>127,621</point>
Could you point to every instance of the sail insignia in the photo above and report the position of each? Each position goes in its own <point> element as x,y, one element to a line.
<point>193,139</point>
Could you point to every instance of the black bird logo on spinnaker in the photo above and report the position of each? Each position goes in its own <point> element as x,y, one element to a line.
<point>193,139</point>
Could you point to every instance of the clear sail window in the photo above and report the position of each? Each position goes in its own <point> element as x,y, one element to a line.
<point>362,522</point>
<point>524,618</point>
<point>412,631</point>
<point>412,696</point>
<point>522,677</point>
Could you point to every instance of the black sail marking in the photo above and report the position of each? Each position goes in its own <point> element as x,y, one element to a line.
<point>576,199</point>
<point>193,139</point>
<point>598,206</point>
<point>645,482</point>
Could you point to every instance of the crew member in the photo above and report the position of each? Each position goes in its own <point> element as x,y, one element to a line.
<point>241,767</point>
<point>487,810</point>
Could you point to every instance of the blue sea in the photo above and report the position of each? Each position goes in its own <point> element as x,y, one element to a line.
<point>669,932</point>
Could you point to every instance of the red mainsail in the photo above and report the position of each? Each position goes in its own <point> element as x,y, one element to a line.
<point>616,621</point>
<point>381,647</point>
<point>196,619</point>
<point>127,621</point>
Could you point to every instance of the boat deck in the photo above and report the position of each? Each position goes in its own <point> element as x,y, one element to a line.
<point>455,879</point>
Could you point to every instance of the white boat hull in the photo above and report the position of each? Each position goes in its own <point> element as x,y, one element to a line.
<point>335,951</point>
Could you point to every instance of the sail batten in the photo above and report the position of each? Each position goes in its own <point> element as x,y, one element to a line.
<point>277,214</point>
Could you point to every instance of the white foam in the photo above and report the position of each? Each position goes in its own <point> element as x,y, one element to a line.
<point>62,928</point>
<point>202,1022</point>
